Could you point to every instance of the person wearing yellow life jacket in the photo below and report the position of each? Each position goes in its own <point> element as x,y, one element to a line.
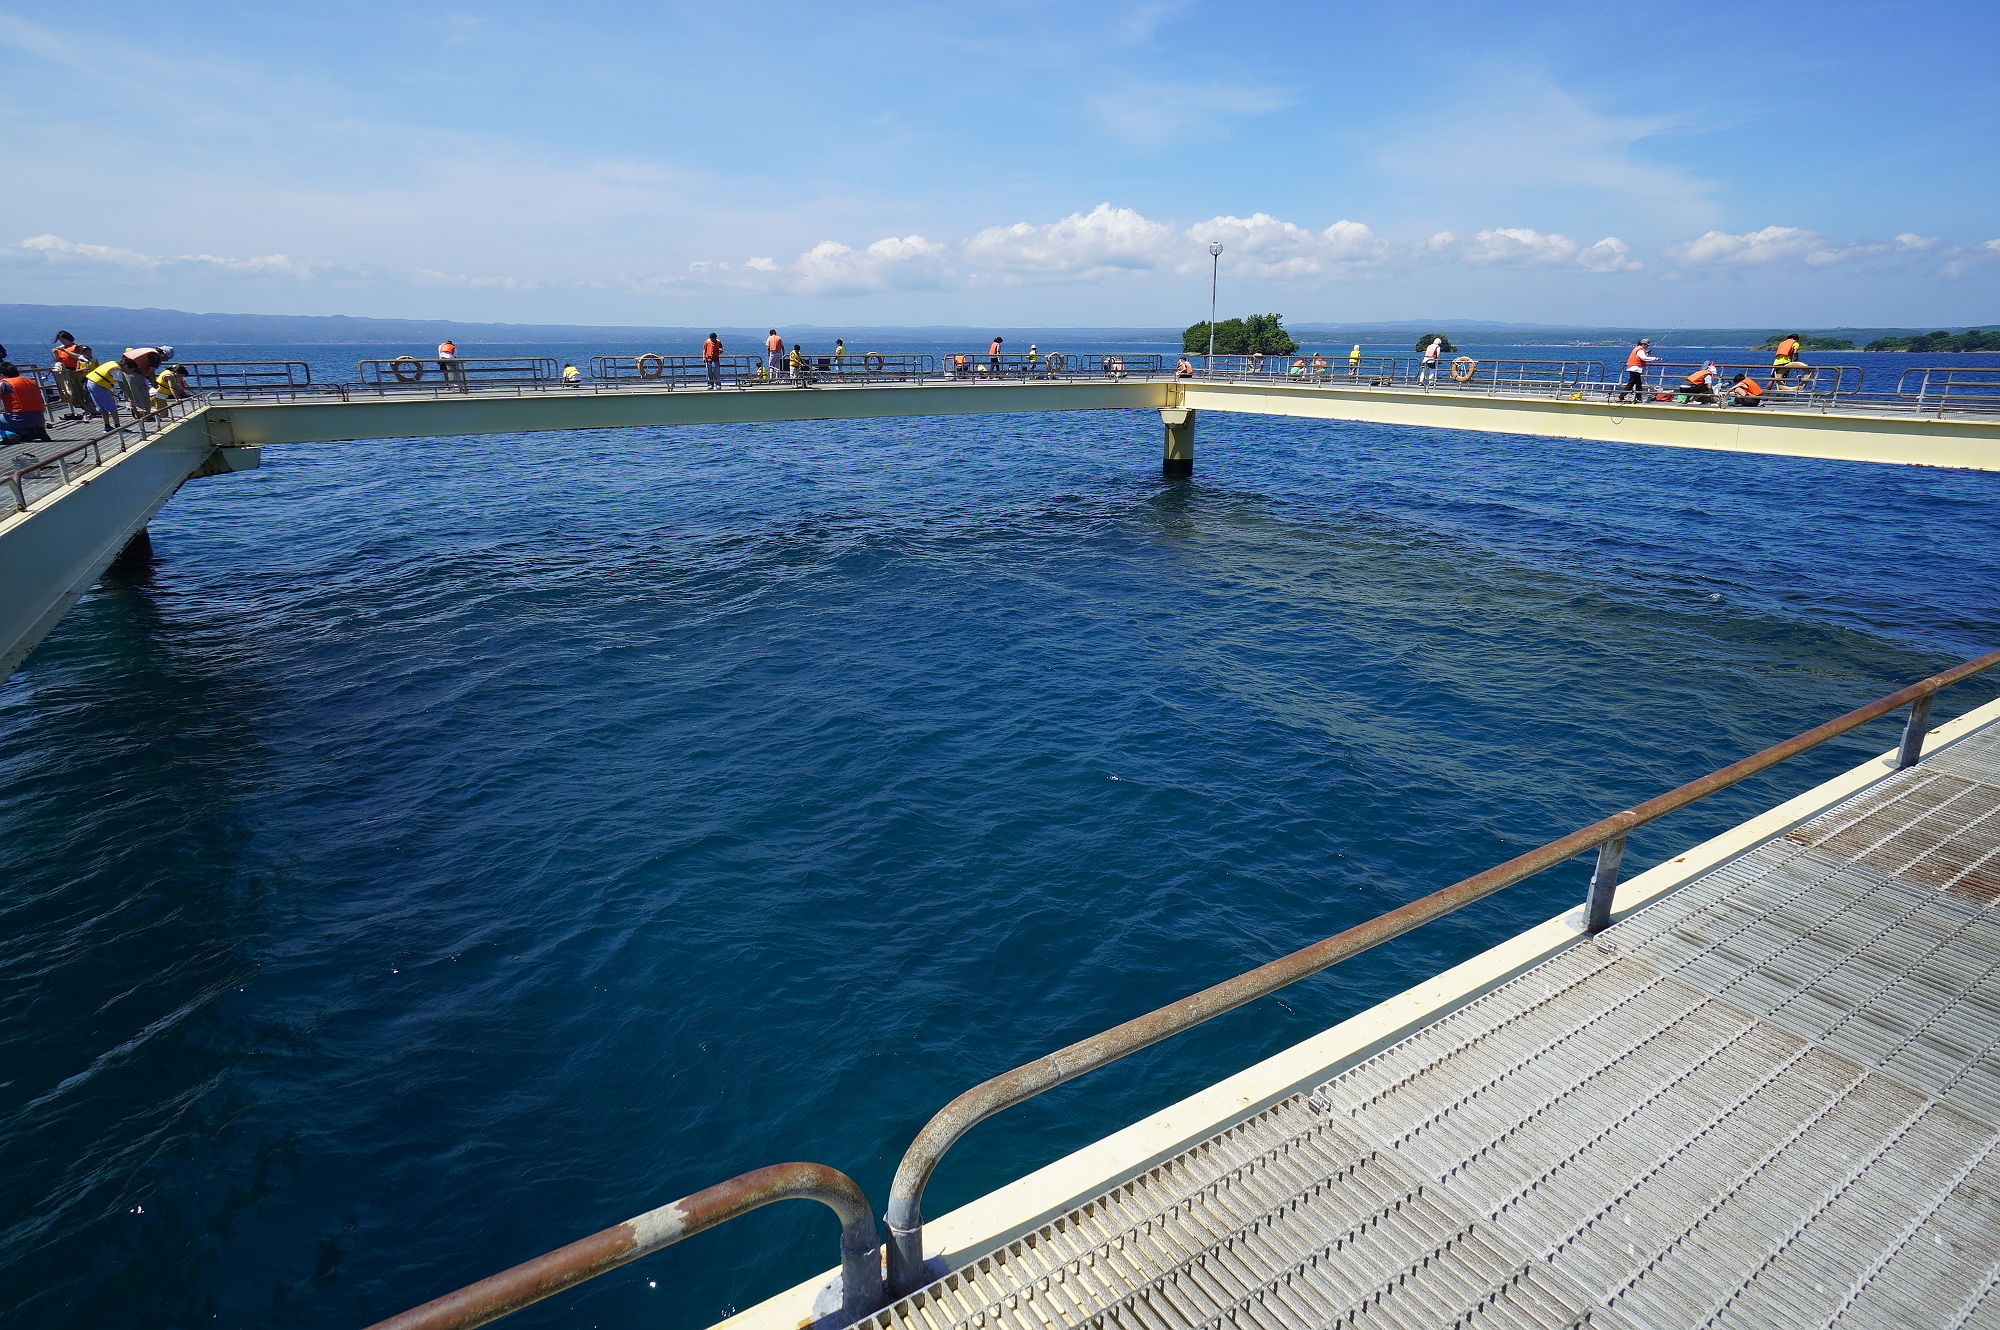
<point>140,364</point>
<point>572,377</point>
<point>1785,359</point>
<point>104,378</point>
<point>23,413</point>
<point>170,385</point>
<point>1640,356</point>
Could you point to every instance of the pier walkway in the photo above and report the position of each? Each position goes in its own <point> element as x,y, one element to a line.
<point>1769,1100</point>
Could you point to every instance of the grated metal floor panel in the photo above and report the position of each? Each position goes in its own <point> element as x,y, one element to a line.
<point>1770,1100</point>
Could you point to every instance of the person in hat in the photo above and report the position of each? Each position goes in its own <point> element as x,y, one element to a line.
<point>1636,361</point>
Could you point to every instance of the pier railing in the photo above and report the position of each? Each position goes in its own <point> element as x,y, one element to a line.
<point>1963,387</point>
<point>32,478</point>
<point>549,1274</point>
<point>247,376</point>
<point>461,374</point>
<point>652,370</point>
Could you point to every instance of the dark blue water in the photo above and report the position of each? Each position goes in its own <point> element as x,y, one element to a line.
<point>450,847</point>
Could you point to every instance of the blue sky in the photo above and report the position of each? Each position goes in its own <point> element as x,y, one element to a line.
<point>1016,163</point>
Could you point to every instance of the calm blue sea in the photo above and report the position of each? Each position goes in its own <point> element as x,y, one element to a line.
<point>450,847</point>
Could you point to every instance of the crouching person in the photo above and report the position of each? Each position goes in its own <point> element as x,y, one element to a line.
<point>24,414</point>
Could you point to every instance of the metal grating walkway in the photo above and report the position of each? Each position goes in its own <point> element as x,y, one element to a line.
<point>1769,1100</point>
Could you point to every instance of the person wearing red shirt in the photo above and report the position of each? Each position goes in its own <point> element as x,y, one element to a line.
<point>711,356</point>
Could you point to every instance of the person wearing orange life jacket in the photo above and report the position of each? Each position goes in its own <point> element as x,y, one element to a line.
<point>1636,361</point>
<point>23,413</point>
<point>1743,391</point>
<point>711,356</point>
<point>1785,359</point>
<point>69,376</point>
<point>140,364</point>
<point>1183,369</point>
<point>448,365</point>
<point>774,352</point>
<point>993,354</point>
<point>1700,385</point>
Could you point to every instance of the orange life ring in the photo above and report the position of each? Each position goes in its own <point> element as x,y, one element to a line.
<point>400,363</point>
<point>1463,368</point>
<point>1056,362</point>
<point>650,366</point>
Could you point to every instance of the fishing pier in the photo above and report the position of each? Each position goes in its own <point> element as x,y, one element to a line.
<point>72,506</point>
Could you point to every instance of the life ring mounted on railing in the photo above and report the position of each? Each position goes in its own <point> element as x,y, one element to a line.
<point>1463,368</point>
<point>872,362</point>
<point>650,366</point>
<point>1057,362</point>
<point>410,363</point>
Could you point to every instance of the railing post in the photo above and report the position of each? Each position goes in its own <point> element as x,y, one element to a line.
<point>1914,732</point>
<point>1603,886</point>
<point>20,492</point>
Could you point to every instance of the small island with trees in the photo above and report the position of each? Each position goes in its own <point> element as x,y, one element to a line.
<point>1425,341</point>
<point>1258,334</point>
<point>1806,343</point>
<point>1970,340</point>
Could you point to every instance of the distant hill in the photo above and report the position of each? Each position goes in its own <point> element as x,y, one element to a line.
<point>23,326</point>
<point>27,328</point>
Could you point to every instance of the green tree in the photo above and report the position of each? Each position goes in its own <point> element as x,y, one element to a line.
<point>1242,337</point>
<point>1426,339</point>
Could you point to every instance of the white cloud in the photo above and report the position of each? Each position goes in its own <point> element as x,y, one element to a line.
<point>1264,246</point>
<point>895,263</point>
<point>1522,247</point>
<point>1787,244</point>
<point>56,247</point>
<point>1081,246</point>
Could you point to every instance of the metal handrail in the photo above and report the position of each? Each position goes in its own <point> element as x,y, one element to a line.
<point>565,1267</point>
<point>457,371</point>
<point>240,376</point>
<point>63,458</point>
<point>904,1216</point>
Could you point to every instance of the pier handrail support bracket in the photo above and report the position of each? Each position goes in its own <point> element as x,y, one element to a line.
<point>904,1216</point>
<point>551,1273</point>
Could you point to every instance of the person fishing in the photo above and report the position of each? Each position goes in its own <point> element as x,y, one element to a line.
<point>1636,360</point>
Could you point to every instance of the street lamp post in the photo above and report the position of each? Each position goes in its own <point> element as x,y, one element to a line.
<point>1214,267</point>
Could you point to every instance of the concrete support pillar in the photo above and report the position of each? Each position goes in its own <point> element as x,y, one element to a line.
<point>1179,457</point>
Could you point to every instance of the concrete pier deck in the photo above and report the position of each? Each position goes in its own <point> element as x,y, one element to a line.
<point>1768,1098</point>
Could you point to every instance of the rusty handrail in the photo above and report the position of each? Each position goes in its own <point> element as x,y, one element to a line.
<point>551,1273</point>
<point>904,1217</point>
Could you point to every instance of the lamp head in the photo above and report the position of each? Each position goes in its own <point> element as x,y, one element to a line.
<point>1215,249</point>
